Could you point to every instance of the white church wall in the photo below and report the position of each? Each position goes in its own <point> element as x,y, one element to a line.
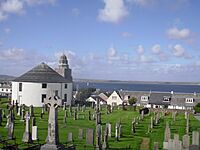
<point>31,93</point>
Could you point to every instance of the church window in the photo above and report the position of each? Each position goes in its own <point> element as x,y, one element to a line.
<point>43,97</point>
<point>65,97</point>
<point>44,85</point>
<point>20,87</point>
<point>56,92</point>
<point>65,86</point>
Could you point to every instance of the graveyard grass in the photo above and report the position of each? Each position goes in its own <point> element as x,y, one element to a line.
<point>128,140</point>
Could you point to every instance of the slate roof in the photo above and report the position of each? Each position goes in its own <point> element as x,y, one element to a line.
<point>157,98</point>
<point>42,74</point>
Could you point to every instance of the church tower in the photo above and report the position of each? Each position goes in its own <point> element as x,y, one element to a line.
<point>63,68</point>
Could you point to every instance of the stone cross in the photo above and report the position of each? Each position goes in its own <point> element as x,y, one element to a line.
<point>53,103</point>
<point>27,134</point>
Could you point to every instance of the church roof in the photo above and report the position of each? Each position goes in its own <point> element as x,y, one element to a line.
<point>42,74</point>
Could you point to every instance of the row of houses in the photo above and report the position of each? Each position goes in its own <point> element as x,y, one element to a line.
<point>5,89</point>
<point>169,100</point>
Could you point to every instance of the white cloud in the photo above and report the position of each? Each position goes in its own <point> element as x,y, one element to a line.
<point>179,51</point>
<point>12,6</point>
<point>156,49</point>
<point>175,33</point>
<point>39,2</point>
<point>126,34</point>
<point>8,7</point>
<point>112,54</point>
<point>141,2</point>
<point>146,59</point>
<point>114,11</point>
<point>140,49</point>
<point>12,54</point>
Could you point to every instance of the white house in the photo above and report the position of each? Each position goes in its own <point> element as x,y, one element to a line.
<point>35,85</point>
<point>5,90</point>
<point>114,99</point>
<point>93,99</point>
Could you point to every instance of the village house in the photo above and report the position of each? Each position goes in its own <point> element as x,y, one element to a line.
<point>35,85</point>
<point>102,98</point>
<point>5,90</point>
<point>169,100</point>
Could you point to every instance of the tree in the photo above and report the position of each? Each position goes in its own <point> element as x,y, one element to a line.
<point>197,108</point>
<point>83,94</point>
<point>132,100</point>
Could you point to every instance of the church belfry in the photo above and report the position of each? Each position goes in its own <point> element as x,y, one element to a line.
<point>63,68</point>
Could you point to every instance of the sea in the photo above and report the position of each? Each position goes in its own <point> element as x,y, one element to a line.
<point>111,86</point>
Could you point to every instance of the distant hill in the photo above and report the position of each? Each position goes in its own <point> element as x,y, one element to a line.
<point>6,78</point>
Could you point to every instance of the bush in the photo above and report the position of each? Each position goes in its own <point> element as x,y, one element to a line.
<point>197,108</point>
<point>132,101</point>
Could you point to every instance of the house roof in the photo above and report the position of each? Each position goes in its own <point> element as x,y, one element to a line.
<point>157,98</point>
<point>42,74</point>
<point>103,96</point>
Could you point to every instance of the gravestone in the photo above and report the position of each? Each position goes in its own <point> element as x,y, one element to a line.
<point>155,146</point>
<point>133,127</point>
<point>33,121</point>
<point>89,115</point>
<point>117,132</point>
<point>22,115</point>
<point>109,129</point>
<point>167,133</point>
<point>70,137</point>
<point>10,129</point>
<point>142,114</point>
<point>187,124</point>
<point>1,117</point>
<point>34,133</point>
<point>105,140</point>
<point>90,136</point>
<point>195,138</point>
<point>186,142</point>
<point>120,130</point>
<point>27,133</point>
<point>151,123</point>
<point>64,106</point>
<point>80,133</point>
<point>98,137</point>
<point>31,111</point>
<point>52,140</point>
<point>8,121</point>
<point>19,110</point>
<point>16,107</point>
<point>75,115</point>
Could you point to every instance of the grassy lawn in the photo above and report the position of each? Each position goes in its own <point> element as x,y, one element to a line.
<point>128,140</point>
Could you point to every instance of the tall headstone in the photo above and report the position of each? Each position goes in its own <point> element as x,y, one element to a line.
<point>151,125</point>
<point>98,137</point>
<point>155,146</point>
<point>89,115</point>
<point>27,134</point>
<point>142,114</point>
<point>187,124</point>
<point>105,140</point>
<point>52,140</point>
<point>195,138</point>
<point>90,136</point>
<point>1,117</point>
<point>34,133</point>
<point>117,132</point>
<point>80,134</point>
<point>167,133</point>
<point>31,111</point>
<point>64,106</point>
<point>70,137</point>
<point>186,142</point>
<point>109,129</point>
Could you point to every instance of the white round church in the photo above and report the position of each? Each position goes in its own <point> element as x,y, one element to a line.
<point>35,85</point>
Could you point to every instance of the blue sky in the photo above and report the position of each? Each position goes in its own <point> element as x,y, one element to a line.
<point>139,40</point>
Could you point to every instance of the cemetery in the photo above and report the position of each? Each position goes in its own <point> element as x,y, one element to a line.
<point>57,126</point>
